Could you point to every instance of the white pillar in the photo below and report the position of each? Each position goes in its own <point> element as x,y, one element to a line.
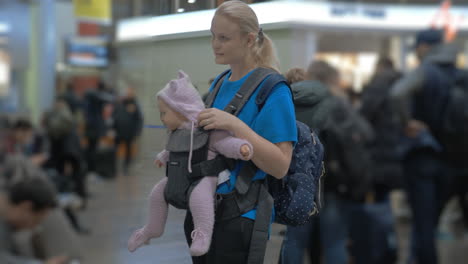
<point>211,4</point>
<point>303,47</point>
<point>46,43</point>
<point>405,45</point>
<point>176,6</point>
<point>137,8</point>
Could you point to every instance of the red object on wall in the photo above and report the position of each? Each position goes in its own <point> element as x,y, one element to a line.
<point>88,29</point>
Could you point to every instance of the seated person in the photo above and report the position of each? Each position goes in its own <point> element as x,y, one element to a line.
<point>23,206</point>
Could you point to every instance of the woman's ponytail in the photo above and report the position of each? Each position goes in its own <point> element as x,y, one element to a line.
<point>264,52</point>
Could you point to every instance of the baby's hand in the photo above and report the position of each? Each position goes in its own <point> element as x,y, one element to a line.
<point>245,152</point>
<point>159,163</point>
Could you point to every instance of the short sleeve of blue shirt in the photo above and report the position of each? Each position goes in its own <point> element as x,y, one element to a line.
<point>275,122</point>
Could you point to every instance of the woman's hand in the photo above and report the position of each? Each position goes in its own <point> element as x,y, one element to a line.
<point>213,118</point>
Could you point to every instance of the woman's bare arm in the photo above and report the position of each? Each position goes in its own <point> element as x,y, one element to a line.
<point>274,159</point>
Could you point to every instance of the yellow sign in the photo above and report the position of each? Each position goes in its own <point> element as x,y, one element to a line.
<point>94,10</point>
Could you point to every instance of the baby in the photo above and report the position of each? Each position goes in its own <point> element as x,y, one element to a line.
<point>179,105</point>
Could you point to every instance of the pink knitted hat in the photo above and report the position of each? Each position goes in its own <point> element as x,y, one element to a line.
<point>182,97</point>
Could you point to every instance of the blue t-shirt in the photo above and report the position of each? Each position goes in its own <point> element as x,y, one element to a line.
<point>275,122</point>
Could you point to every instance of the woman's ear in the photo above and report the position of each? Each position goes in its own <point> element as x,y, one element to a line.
<point>251,37</point>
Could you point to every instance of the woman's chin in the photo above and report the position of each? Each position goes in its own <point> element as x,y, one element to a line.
<point>220,61</point>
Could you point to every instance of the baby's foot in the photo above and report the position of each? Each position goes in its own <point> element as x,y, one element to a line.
<point>200,243</point>
<point>138,238</point>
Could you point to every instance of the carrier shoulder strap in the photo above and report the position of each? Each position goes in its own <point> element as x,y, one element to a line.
<point>272,79</point>
<point>265,202</point>
<point>244,93</point>
<point>214,92</point>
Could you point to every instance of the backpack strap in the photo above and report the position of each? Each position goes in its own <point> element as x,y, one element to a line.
<point>268,86</point>
<point>265,204</point>
<point>235,106</point>
<point>261,228</point>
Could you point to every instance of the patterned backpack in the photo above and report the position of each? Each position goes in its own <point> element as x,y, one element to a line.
<point>297,195</point>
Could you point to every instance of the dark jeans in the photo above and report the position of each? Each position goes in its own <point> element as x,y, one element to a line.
<point>372,233</point>
<point>429,185</point>
<point>332,232</point>
<point>462,192</point>
<point>230,242</point>
<point>91,154</point>
<point>300,239</point>
<point>368,226</point>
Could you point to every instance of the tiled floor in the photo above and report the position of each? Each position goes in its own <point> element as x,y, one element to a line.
<point>119,206</point>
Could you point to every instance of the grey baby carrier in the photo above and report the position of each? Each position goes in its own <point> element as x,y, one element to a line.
<point>180,182</point>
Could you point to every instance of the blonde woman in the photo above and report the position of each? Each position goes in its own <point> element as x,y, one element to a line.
<point>239,42</point>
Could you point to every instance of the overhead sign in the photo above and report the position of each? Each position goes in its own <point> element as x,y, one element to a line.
<point>374,12</point>
<point>99,11</point>
<point>87,51</point>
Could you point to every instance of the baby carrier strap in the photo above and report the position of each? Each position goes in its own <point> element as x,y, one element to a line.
<point>248,194</point>
<point>212,167</point>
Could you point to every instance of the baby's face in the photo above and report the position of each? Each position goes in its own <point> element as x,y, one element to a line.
<point>170,118</point>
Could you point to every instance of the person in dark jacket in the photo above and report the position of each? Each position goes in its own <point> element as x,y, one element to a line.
<point>128,123</point>
<point>65,150</point>
<point>420,98</point>
<point>312,101</point>
<point>387,171</point>
<point>95,100</point>
<point>381,113</point>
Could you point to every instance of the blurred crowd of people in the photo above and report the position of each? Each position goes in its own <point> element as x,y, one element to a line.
<point>44,169</point>
<point>394,136</point>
